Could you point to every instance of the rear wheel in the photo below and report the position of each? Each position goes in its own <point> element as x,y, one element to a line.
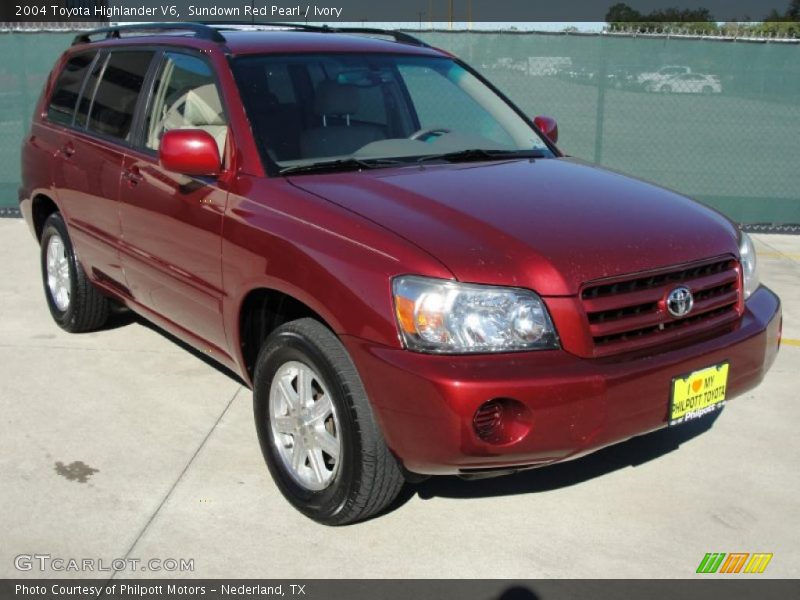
<point>75,304</point>
<point>316,427</point>
<point>666,89</point>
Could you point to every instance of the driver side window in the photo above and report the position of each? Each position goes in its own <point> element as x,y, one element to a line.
<point>185,97</point>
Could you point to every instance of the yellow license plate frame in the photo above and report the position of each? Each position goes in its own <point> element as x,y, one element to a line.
<point>698,393</point>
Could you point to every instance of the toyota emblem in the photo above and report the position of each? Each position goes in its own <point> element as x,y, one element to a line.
<point>680,302</point>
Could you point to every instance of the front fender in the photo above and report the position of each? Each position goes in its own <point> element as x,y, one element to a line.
<point>334,261</point>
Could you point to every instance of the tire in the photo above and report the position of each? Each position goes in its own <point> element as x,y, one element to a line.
<point>707,90</point>
<point>666,89</point>
<point>75,304</point>
<point>365,477</point>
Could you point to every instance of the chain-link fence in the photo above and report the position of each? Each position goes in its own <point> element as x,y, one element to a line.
<point>717,119</point>
<point>25,61</point>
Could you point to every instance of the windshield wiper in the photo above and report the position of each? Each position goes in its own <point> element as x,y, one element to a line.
<point>342,164</point>
<point>478,154</point>
<point>358,164</point>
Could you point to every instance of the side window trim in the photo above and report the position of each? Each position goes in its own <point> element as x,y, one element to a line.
<point>145,100</point>
<point>84,83</point>
<point>106,58</point>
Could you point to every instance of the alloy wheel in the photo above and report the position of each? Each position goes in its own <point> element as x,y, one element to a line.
<point>58,277</point>
<point>305,428</point>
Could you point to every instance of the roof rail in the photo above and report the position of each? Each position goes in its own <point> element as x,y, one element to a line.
<point>199,30</point>
<point>210,30</point>
<point>399,36</point>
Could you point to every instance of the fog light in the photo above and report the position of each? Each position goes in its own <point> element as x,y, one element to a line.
<point>487,419</point>
<point>502,421</point>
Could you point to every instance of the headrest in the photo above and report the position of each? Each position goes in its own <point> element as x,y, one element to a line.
<point>336,99</point>
<point>203,106</point>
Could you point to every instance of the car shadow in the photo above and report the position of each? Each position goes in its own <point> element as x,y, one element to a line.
<point>518,592</point>
<point>631,453</point>
<point>121,317</point>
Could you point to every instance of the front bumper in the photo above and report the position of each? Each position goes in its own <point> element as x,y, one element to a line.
<point>425,403</point>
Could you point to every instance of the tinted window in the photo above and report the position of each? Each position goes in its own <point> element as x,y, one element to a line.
<point>372,105</point>
<point>185,97</point>
<point>357,105</point>
<point>372,97</point>
<point>279,82</point>
<point>115,99</point>
<point>68,88</point>
<point>436,99</point>
<point>85,103</point>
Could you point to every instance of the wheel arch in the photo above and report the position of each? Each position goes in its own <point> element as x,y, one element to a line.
<point>261,311</point>
<point>42,206</point>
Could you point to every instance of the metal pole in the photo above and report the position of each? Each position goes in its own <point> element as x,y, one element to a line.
<point>602,75</point>
<point>450,14</point>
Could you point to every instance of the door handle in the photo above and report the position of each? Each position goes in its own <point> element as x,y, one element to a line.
<point>68,150</point>
<point>132,176</point>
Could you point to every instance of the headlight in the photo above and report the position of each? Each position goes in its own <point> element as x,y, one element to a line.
<point>436,315</point>
<point>747,258</point>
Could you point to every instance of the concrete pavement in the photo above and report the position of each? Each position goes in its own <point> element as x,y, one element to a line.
<point>122,444</point>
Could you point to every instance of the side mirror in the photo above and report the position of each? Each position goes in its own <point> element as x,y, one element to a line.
<point>190,152</point>
<point>548,126</point>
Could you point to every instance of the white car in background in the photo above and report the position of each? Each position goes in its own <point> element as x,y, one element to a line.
<point>688,83</point>
<point>663,74</point>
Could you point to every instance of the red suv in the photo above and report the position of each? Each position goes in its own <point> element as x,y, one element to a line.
<point>406,269</point>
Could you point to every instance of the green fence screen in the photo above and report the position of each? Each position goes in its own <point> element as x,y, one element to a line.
<point>25,62</point>
<point>718,120</point>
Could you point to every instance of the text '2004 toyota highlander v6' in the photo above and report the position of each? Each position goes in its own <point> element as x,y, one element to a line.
<point>411,276</point>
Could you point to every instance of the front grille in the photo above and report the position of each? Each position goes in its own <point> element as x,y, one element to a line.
<point>630,313</point>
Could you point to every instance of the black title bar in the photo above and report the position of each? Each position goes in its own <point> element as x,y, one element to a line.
<point>743,588</point>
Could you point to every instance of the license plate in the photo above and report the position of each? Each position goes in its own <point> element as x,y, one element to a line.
<point>698,394</point>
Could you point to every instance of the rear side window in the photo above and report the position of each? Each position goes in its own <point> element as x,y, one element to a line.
<point>114,101</point>
<point>68,88</point>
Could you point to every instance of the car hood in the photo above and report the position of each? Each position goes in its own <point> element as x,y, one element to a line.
<point>547,224</point>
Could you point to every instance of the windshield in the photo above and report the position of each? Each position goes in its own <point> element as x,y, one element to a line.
<point>355,110</point>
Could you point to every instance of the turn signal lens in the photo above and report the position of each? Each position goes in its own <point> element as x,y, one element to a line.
<point>749,262</point>
<point>436,315</point>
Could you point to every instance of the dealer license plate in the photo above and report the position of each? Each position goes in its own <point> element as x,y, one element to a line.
<point>698,394</point>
